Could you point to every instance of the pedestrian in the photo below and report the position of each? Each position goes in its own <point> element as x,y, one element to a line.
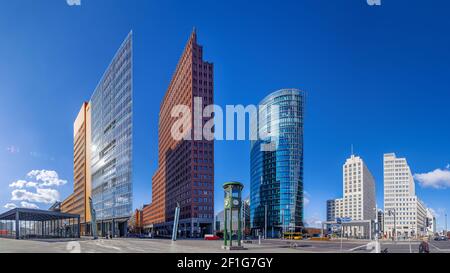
<point>424,247</point>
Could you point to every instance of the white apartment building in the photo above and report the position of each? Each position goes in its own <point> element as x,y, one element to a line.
<point>358,202</point>
<point>402,208</point>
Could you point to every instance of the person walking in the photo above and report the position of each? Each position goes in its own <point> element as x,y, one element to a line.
<point>424,247</point>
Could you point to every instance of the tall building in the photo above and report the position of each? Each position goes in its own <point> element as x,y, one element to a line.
<point>380,222</point>
<point>431,223</point>
<point>78,201</point>
<point>185,173</point>
<point>111,143</point>
<point>359,201</point>
<point>331,213</point>
<point>404,212</point>
<point>331,210</point>
<point>277,174</point>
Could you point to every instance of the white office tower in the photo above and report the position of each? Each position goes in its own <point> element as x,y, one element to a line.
<point>358,202</point>
<point>431,222</point>
<point>403,211</point>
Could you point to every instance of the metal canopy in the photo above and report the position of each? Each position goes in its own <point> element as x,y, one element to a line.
<point>36,215</point>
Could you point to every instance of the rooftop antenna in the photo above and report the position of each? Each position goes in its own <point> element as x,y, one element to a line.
<point>352,151</point>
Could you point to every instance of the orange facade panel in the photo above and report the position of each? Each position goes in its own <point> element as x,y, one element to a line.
<point>78,201</point>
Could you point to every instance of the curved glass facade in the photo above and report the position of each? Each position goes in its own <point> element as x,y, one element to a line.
<point>277,174</point>
<point>112,147</point>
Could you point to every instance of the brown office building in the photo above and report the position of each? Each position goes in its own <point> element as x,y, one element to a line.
<point>78,201</point>
<point>185,174</point>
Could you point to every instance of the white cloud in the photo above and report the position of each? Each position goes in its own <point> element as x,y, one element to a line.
<point>437,179</point>
<point>434,213</point>
<point>306,199</point>
<point>73,2</point>
<point>10,206</point>
<point>47,178</point>
<point>47,196</point>
<point>13,149</point>
<point>27,205</point>
<point>40,190</point>
<point>20,184</point>
<point>448,166</point>
<point>313,222</point>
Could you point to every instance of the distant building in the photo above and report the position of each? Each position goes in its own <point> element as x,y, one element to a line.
<point>404,212</point>
<point>219,219</point>
<point>431,222</point>
<point>136,223</point>
<point>380,221</point>
<point>331,213</point>
<point>358,203</point>
<point>331,210</point>
<point>246,216</point>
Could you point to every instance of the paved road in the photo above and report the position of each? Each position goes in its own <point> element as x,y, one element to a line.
<point>200,246</point>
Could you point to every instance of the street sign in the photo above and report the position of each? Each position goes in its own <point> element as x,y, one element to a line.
<point>343,220</point>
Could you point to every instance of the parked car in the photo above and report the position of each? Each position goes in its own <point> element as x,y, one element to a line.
<point>211,237</point>
<point>441,238</point>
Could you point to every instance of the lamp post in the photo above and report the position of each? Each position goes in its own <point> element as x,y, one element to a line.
<point>392,211</point>
<point>265,222</point>
<point>376,223</point>
<point>446,230</point>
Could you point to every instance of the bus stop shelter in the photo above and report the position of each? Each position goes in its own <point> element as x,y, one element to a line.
<point>21,223</point>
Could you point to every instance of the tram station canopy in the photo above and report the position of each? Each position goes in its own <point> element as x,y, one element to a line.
<point>21,223</point>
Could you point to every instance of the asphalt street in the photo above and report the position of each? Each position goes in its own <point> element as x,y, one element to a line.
<point>87,245</point>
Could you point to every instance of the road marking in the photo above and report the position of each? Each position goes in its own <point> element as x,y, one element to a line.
<point>356,248</point>
<point>101,243</point>
<point>441,250</point>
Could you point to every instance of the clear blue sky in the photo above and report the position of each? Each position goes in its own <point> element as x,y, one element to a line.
<point>376,77</point>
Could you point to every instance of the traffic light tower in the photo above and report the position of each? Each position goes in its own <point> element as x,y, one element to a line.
<point>233,202</point>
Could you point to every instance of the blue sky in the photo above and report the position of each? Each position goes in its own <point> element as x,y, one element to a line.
<point>376,77</point>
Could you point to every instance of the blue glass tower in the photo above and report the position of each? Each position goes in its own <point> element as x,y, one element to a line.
<point>112,144</point>
<point>277,174</point>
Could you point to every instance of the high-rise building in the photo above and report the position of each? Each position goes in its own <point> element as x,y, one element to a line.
<point>359,201</point>
<point>404,212</point>
<point>185,173</point>
<point>331,213</point>
<point>78,201</point>
<point>380,222</point>
<point>111,144</point>
<point>277,174</point>
<point>431,222</point>
<point>331,210</point>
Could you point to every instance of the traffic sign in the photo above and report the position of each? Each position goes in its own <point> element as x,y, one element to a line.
<point>343,220</point>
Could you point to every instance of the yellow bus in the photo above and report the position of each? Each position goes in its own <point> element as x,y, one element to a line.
<point>293,236</point>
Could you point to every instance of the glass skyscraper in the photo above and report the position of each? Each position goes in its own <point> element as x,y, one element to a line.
<point>111,149</point>
<point>277,174</point>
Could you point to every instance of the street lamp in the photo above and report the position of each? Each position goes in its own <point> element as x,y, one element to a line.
<point>392,211</point>
<point>376,222</point>
<point>446,230</point>
<point>265,222</point>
